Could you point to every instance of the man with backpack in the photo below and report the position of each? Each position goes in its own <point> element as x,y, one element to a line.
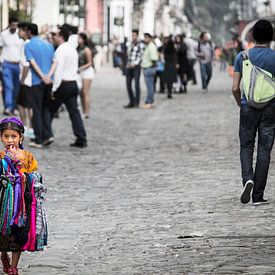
<point>257,116</point>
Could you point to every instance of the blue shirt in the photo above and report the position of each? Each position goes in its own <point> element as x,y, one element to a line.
<point>43,53</point>
<point>261,57</point>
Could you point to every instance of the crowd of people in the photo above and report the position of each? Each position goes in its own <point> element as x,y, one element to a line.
<point>169,60</point>
<point>41,73</point>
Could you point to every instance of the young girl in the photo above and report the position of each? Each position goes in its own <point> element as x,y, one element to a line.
<point>86,71</point>
<point>23,224</point>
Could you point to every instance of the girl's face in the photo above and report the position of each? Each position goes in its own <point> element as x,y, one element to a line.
<point>11,139</point>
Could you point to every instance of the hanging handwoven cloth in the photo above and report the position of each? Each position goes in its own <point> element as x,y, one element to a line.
<point>10,194</point>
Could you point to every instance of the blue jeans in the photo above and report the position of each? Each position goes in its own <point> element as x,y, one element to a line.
<point>133,73</point>
<point>253,121</point>
<point>206,74</point>
<point>11,84</point>
<point>149,75</point>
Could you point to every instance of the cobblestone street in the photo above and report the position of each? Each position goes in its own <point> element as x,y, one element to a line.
<point>155,192</point>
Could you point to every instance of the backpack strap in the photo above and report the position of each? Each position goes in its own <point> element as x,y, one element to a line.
<point>245,55</point>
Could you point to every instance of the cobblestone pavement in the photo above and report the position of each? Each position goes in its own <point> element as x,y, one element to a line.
<point>156,192</point>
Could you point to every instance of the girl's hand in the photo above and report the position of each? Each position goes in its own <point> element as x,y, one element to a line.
<point>16,153</point>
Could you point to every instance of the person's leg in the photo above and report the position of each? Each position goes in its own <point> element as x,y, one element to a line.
<point>249,120</point>
<point>129,78</point>
<point>169,88</point>
<point>8,86</point>
<point>37,95</point>
<point>15,259</point>
<point>81,93</point>
<point>15,79</point>
<point>5,261</point>
<point>29,117</point>
<point>146,78</point>
<point>46,115</point>
<point>86,96</point>
<point>203,76</point>
<point>184,82</point>
<point>22,114</point>
<point>21,104</point>
<point>156,79</point>
<point>266,133</point>
<point>71,105</point>
<point>208,72</point>
<point>137,84</point>
<point>150,85</point>
<point>193,71</point>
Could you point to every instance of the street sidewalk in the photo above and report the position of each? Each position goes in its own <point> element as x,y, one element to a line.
<point>155,192</point>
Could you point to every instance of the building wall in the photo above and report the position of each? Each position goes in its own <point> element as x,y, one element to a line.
<point>119,18</point>
<point>4,14</point>
<point>46,12</point>
<point>94,16</point>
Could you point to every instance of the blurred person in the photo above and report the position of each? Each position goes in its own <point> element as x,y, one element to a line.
<point>254,121</point>
<point>148,63</point>
<point>223,59</point>
<point>44,31</point>
<point>170,66</point>
<point>183,69</point>
<point>133,69</point>
<point>24,96</point>
<point>64,89</point>
<point>73,34</point>
<point>233,47</point>
<point>192,46</point>
<point>123,55</point>
<point>205,55</point>
<point>11,46</point>
<point>160,65</point>
<point>86,72</point>
<point>52,38</point>
<point>116,50</point>
<point>40,54</point>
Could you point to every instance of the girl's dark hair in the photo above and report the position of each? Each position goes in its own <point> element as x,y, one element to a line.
<point>85,38</point>
<point>169,47</point>
<point>11,126</point>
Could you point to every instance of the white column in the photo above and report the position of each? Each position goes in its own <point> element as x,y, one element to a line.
<point>149,17</point>
<point>128,11</point>
<point>46,12</point>
<point>5,14</point>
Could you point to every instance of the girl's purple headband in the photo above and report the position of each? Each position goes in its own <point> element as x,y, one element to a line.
<point>14,120</point>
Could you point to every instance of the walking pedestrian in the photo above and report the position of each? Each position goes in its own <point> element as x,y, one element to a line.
<point>183,66</point>
<point>22,210</point>
<point>24,96</point>
<point>148,63</point>
<point>255,121</point>
<point>160,70</point>
<point>40,54</point>
<point>86,72</point>
<point>205,54</point>
<point>133,69</point>
<point>11,46</point>
<point>65,88</point>
<point>192,46</point>
<point>170,66</point>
